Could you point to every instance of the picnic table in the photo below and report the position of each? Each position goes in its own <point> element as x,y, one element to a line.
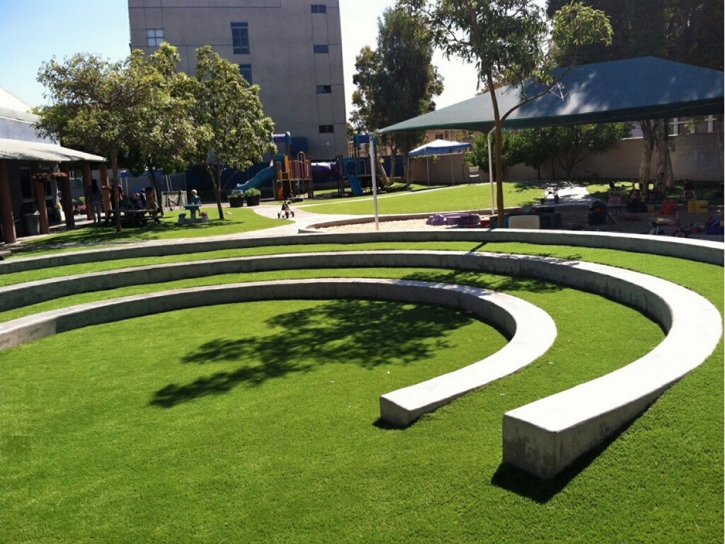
<point>131,217</point>
<point>193,208</point>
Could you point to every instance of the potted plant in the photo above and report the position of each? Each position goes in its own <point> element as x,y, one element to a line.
<point>252,196</point>
<point>58,213</point>
<point>236,200</point>
<point>59,176</point>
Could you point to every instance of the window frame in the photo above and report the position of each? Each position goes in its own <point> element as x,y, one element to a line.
<point>246,68</point>
<point>153,40</point>
<point>240,38</point>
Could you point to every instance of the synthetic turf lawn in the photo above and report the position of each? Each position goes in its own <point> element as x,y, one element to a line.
<point>462,197</point>
<point>437,481</point>
<point>87,236</point>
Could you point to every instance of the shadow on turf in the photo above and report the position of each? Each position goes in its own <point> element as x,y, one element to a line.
<point>482,280</point>
<point>361,332</point>
<point>542,491</point>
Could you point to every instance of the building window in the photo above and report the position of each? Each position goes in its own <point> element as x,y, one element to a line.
<point>240,38</point>
<point>246,71</point>
<point>154,37</point>
<point>319,8</point>
<point>321,49</point>
<point>324,89</point>
<point>327,129</point>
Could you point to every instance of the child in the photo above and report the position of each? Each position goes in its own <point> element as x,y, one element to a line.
<point>285,210</point>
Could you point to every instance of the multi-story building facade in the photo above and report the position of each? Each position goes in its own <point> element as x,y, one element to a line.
<point>292,49</point>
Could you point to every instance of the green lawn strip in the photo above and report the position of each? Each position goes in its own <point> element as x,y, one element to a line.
<point>460,197</point>
<point>102,266</point>
<point>89,237</point>
<point>256,423</point>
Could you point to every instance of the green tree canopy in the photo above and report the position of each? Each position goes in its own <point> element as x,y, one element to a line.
<point>507,40</point>
<point>397,80</point>
<point>231,129</point>
<point>98,105</point>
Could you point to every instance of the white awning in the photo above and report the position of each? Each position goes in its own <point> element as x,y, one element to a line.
<point>19,150</point>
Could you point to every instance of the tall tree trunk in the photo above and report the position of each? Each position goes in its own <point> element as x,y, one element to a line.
<point>664,176</point>
<point>717,127</point>
<point>215,171</point>
<point>648,134</point>
<point>499,137</point>
<point>114,185</point>
<point>157,191</point>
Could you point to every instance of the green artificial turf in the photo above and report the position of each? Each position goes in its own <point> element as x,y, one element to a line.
<point>460,197</point>
<point>258,423</point>
<point>89,236</point>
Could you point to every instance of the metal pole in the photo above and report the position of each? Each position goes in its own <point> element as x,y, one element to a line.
<point>375,185</point>
<point>490,171</point>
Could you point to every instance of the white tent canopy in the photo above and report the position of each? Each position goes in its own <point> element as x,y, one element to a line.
<point>19,150</point>
<point>439,147</point>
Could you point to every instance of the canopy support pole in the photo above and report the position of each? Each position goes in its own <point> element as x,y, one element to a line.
<point>375,185</point>
<point>490,170</point>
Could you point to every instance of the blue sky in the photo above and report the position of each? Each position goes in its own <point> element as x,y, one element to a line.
<point>34,31</point>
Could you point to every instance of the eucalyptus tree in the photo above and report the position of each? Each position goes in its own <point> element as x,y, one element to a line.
<point>97,105</point>
<point>397,80</point>
<point>231,130</point>
<point>508,40</point>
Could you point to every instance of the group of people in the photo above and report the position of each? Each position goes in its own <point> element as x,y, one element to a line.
<point>142,200</point>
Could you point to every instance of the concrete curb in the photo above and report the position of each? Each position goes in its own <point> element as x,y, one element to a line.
<point>544,437</point>
<point>695,250</point>
<point>532,329</point>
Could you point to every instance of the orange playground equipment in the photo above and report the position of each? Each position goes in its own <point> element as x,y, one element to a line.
<point>293,177</point>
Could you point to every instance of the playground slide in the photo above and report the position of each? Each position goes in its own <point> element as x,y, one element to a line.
<point>354,185</point>
<point>384,181</point>
<point>263,177</point>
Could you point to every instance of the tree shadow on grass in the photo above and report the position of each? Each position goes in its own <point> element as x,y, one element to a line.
<point>542,491</point>
<point>91,235</point>
<point>360,332</point>
<point>486,280</point>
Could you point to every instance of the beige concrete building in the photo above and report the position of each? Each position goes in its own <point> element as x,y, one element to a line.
<point>292,49</point>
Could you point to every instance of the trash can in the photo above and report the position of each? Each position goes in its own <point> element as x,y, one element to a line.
<point>31,223</point>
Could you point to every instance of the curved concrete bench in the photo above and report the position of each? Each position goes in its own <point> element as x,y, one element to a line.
<point>695,250</point>
<point>532,330</point>
<point>546,444</point>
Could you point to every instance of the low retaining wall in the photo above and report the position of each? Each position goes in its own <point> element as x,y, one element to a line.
<point>543,437</point>
<point>532,330</point>
<point>694,250</point>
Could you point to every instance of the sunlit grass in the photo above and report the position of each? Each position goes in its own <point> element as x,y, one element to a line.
<point>257,422</point>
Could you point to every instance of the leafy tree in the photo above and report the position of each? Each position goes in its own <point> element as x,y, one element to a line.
<point>97,105</point>
<point>167,138</point>
<point>232,131</point>
<point>397,80</point>
<point>689,31</point>
<point>533,147</point>
<point>574,143</point>
<point>508,39</point>
<point>478,155</point>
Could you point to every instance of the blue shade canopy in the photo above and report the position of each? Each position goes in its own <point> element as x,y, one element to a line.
<point>439,147</point>
<point>623,90</point>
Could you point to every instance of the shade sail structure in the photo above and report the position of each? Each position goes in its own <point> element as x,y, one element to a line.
<point>439,147</point>
<point>20,150</point>
<point>623,90</point>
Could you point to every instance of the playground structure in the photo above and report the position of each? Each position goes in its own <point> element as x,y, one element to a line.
<point>292,177</point>
<point>357,170</point>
